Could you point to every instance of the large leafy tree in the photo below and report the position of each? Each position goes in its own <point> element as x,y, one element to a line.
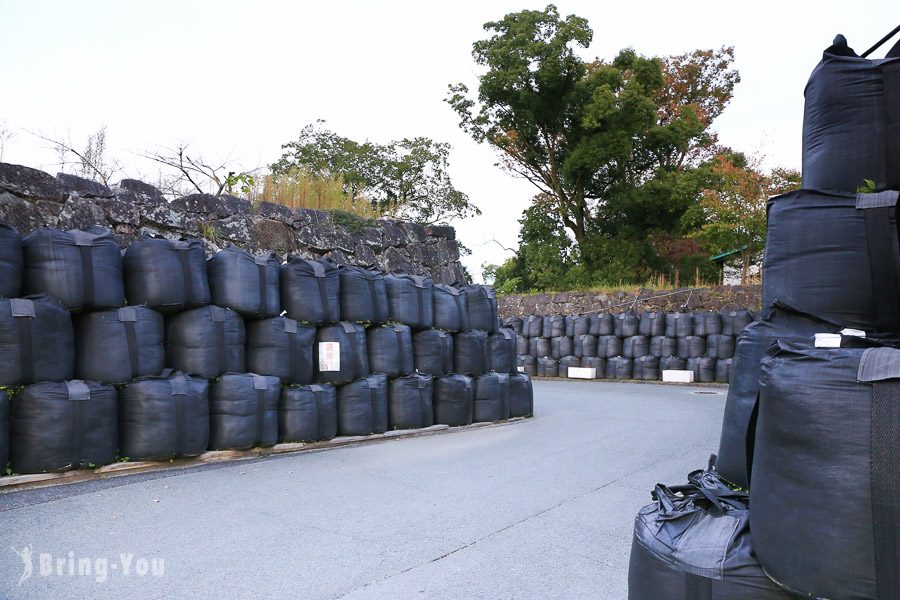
<point>606,141</point>
<point>407,178</point>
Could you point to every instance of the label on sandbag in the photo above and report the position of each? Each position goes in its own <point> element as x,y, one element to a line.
<point>828,340</point>
<point>520,369</point>
<point>329,356</point>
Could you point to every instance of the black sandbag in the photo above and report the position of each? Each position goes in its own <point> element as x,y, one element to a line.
<point>533,326</point>
<point>311,290</point>
<point>679,324</point>
<point>527,364</point>
<point>595,362</point>
<point>540,347</point>
<point>116,346</point>
<point>501,351</point>
<point>390,350</point>
<point>4,429</point>
<point>602,324</point>
<point>584,345</point>
<point>646,368</point>
<point>491,398</point>
<point>521,396</point>
<point>164,417</point>
<point>362,406</point>
<point>554,326</point>
<point>693,543</point>
<point>470,352</point>
<point>851,121</point>
<point>836,256</point>
<point>281,347</point>
<point>81,269</point>
<point>514,323</point>
<point>672,363</point>
<point>547,367</point>
<point>37,341</point>
<point>449,308</point>
<point>561,346</point>
<point>735,455</point>
<point>692,346</point>
<point>62,425</point>
<point>410,298</point>
<point>11,262</point>
<point>723,369</point>
<point>482,303</point>
<point>720,346</point>
<point>626,324</point>
<point>307,413</point>
<point>620,367</point>
<point>661,346</point>
<point>454,397</point>
<point>825,469</point>
<point>704,369</point>
<point>521,345</point>
<point>364,295</point>
<point>247,284</point>
<point>707,323</point>
<point>166,275</point>
<point>433,352</point>
<point>609,346</point>
<point>565,362</point>
<point>652,324</point>
<point>207,341</point>
<point>243,411</point>
<point>734,320</point>
<point>636,346</point>
<point>410,402</point>
<point>579,325</point>
<point>340,353</point>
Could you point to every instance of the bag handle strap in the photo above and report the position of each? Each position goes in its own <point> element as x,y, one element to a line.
<point>880,42</point>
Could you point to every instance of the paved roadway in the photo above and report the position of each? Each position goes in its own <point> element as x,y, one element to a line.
<point>537,509</point>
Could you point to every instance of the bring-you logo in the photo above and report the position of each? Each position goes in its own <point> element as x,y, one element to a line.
<point>101,569</point>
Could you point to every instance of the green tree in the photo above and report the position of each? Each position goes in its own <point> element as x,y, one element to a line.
<point>408,178</point>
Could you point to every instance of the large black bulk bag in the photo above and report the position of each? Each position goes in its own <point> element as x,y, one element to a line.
<point>707,323</point>
<point>532,326</point>
<point>692,346</point>
<point>723,369</point>
<point>720,346</point>
<point>514,323</point>
<point>620,367</point>
<point>540,347</point>
<point>565,362</point>
<point>836,256</point>
<point>693,543</point>
<point>281,347</point>
<point>579,325</point>
<point>4,428</point>
<point>243,411</point>
<point>166,275</point>
<point>453,400</point>
<point>561,346</point>
<point>636,346</point>
<point>734,320</point>
<point>825,469</point>
<point>851,121</point>
<point>362,406</point>
<point>652,324</point>
<point>81,269</point>
<point>661,346</point>
<point>307,413</point>
<point>704,369</point>
<point>780,321</point>
<point>501,354</point>
<point>521,345</point>
<point>246,284</point>
<point>433,352</point>
<point>410,298</point>
<point>470,352</point>
<point>36,341</point>
<point>602,324</point>
<point>595,362</point>
<point>679,324</point>
<point>116,346</point>
<point>646,368</point>
<point>11,262</point>
<point>311,290</point>
<point>609,346</point>
<point>390,350</point>
<point>364,295</point>
<point>627,324</point>
<point>340,353</point>
<point>207,341</point>
<point>482,303</point>
<point>164,417</point>
<point>585,345</point>
<point>521,396</point>
<point>449,308</point>
<point>672,363</point>
<point>61,426</point>
<point>547,367</point>
<point>491,398</point>
<point>527,365</point>
<point>410,402</point>
<point>554,326</point>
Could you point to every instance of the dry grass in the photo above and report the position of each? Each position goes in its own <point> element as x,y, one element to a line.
<point>298,189</point>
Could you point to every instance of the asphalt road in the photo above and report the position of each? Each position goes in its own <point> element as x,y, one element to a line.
<point>536,509</point>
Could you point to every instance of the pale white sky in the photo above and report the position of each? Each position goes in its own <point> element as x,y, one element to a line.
<point>238,79</point>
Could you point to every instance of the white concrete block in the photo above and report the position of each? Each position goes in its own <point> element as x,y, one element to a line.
<point>677,376</point>
<point>582,373</point>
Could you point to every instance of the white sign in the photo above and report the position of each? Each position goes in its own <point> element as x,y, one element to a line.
<point>677,376</point>
<point>329,356</point>
<point>582,373</point>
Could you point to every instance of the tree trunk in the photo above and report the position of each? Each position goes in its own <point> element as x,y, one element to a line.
<point>745,268</point>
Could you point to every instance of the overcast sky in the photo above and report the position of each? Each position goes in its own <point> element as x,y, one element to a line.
<point>238,79</point>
